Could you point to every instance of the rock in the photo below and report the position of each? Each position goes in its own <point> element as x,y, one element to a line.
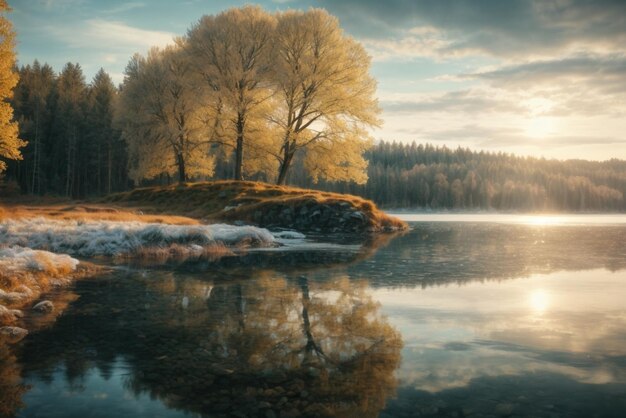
<point>45,306</point>
<point>357,215</point>
<point>292,413</point>
<point>289,235</point>
<point>313,372</point>
<point>277,377</point>
<point>12,334</point>
<point>9,315</point>
<point>12,297</point>
<point>430,410</point>
<point>504,409</point>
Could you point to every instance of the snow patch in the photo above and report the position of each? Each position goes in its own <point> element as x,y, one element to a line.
<point>110,238</point>
<point>289,235</point>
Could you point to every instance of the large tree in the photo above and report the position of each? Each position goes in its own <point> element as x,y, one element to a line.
<point>103,137</point>
<point>163,114</point>
<point>325,94</point>
<point>232,52</point>
<point>69,129</point>
<point>10,144</point>
<point>32,103</point>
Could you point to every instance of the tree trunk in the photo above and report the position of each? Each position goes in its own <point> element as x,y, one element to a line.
<point>99,169</point>
<point>182,175</point>
<point>285,165</point>
<point>68,172</point>
<point>239,149</point>
<point>35,152</point>
<point>109,164</point>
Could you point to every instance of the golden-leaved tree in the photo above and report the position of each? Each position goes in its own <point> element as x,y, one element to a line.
<point>10,144</point>
<point>231,51</point>
<point>326,97</point>
<point>165,122</point>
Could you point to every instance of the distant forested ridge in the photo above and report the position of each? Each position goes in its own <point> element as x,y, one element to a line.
<point>426,176</point>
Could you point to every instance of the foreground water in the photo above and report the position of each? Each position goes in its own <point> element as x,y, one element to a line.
<point>462,318</point>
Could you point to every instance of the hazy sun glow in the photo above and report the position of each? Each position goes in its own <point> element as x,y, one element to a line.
<point>540,127</point>
<point>542,220</point>
<point>539,301</point>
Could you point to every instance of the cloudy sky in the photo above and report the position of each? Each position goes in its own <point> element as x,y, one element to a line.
<point>543,77</point>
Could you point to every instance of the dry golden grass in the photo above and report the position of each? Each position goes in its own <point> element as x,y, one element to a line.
<point>85,212</point>
<point>18,289</point>
<point>208,200</point>
<point>176,253</point>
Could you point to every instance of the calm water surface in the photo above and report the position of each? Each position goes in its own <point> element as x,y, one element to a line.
<point>525,317</point>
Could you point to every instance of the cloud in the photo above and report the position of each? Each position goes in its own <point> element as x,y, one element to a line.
<point>584,84</point>
<point>464,101</point>
<point>125,7</point>
<point>59,4</point>
<point>475,133</point>
<point>606,71</point>
<point>109,36</point>
<point>423,41</point>
<point>499,137</point>
<point>513,28</point>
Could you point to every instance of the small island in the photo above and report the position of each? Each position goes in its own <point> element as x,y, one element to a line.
<point>205,220</point>
<point>264,205</point>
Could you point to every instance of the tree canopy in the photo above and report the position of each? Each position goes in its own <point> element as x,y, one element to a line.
<point>10,144</point>
<point>164,124</point>
<point>272,85</point>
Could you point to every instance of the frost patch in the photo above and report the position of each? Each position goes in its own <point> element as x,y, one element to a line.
<point>109,238</point>
<point>26,273</point>
<point>16,260</point>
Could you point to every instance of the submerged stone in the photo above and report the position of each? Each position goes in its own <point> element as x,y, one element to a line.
<point>12,334</point>
<point>45,306</point>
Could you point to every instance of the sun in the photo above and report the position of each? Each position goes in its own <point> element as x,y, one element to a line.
<point>540,127</point>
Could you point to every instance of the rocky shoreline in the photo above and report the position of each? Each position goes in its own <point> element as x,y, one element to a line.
<point>310,216</point>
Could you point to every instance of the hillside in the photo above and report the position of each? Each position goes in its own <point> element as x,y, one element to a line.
<point>263,205</point>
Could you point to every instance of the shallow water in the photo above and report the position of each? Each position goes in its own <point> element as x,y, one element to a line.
<point>450,319</point>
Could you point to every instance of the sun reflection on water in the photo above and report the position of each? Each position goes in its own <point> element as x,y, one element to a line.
<point>544,220</point>
<point>539,301</point>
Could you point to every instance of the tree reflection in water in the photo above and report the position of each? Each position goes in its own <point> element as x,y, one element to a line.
<point>242,347</point>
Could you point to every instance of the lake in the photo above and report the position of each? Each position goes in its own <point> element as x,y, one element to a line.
<point>464,315</point>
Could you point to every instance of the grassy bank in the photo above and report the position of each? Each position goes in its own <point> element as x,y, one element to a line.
<point>262,204</point>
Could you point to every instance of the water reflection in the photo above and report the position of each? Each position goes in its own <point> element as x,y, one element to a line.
<point>551,340</point>
<point>447,320</point>
<point>437,253</point>
<point>273,343</point>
